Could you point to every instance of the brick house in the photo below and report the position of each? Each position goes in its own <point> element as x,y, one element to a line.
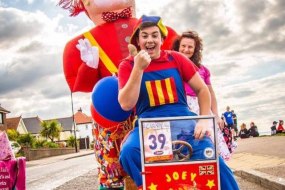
<point>3,122</point>
<point>17,124</point>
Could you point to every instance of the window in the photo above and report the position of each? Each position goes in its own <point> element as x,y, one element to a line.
<point>86,127</point>
<point>1,118</point>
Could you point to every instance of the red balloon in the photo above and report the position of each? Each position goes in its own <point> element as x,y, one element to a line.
<point>102,121</point>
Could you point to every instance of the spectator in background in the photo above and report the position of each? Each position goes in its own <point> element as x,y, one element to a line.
<point>228,119</point>
<point>228,130</point>
<point>253,131</point>
<point>273,128</point>
<point>243,133</point>
<point>227,134</point>
<point>235,124</point>
<point>280,127</point>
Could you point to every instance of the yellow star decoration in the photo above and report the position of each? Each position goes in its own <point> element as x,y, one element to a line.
<point>210,184</point>
<point>152,186</point>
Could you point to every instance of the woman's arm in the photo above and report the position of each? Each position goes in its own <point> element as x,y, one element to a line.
<point>214,107</point>
<point>202,92</point>
<point>204,101</point>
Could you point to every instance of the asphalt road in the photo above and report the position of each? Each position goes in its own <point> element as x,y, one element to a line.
<point>51,175</point>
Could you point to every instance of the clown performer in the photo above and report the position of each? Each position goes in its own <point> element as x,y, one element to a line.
<point>94,55</point>
<point>151,82</point>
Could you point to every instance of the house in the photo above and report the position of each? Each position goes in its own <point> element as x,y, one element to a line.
<point>33,126</point>
<point>17,124</point>
<point>67,128</point>
<point>84,125</point>
<point>3,122</point>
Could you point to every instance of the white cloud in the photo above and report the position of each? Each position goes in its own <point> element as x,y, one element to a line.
<point>31,56</point>
<point>30,1</point>
<point>243,47</point>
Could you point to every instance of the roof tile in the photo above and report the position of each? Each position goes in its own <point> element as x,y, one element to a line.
<point>81,118</point>
<point>13,123</point>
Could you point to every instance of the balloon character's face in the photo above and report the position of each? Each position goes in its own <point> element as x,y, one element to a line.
<point>95,8</point>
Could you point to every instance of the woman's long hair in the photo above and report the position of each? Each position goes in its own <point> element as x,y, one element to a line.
<point>243,126</point>
<point>197,56</point>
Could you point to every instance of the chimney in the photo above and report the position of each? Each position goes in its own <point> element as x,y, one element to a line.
<point>80,110</point>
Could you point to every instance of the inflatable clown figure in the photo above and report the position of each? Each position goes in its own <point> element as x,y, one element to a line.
<point>96,53</point>
<point>93,56</point>
<point>106,42</point>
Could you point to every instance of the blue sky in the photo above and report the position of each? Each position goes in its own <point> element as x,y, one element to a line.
<point>244,45</point>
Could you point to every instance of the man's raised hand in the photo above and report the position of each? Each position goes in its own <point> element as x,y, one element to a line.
<point>141,59</point>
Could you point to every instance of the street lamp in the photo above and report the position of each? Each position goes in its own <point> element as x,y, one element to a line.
<point>73,123</point>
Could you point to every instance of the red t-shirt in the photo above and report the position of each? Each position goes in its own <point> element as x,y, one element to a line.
<point>186,68</point>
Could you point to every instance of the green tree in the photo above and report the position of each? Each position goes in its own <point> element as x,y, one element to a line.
<point>51,129</point>
<point>45,129</point>
<point>71,141</point>
<point>13,135</point>
<point>26,139</point>
<point>39,143</point>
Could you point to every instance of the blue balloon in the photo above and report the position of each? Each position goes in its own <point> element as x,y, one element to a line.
<point>105,100</point>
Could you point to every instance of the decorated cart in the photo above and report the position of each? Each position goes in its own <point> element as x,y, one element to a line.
<point>168,159</point>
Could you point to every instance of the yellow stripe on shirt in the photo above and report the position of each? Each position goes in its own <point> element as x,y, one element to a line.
<point>159,92</point>
<point>169,90</point>
<point>150,94</point>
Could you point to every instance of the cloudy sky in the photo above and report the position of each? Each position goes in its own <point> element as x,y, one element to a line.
<point>244,45</point>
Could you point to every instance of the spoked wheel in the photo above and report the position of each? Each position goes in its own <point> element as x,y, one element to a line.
<point>179,152</point>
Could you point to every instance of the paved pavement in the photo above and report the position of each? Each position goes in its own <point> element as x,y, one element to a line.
<point>260,160</point>
<point>53,159</point>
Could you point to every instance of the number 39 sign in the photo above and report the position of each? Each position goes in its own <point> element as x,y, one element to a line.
<point>157,141</point>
